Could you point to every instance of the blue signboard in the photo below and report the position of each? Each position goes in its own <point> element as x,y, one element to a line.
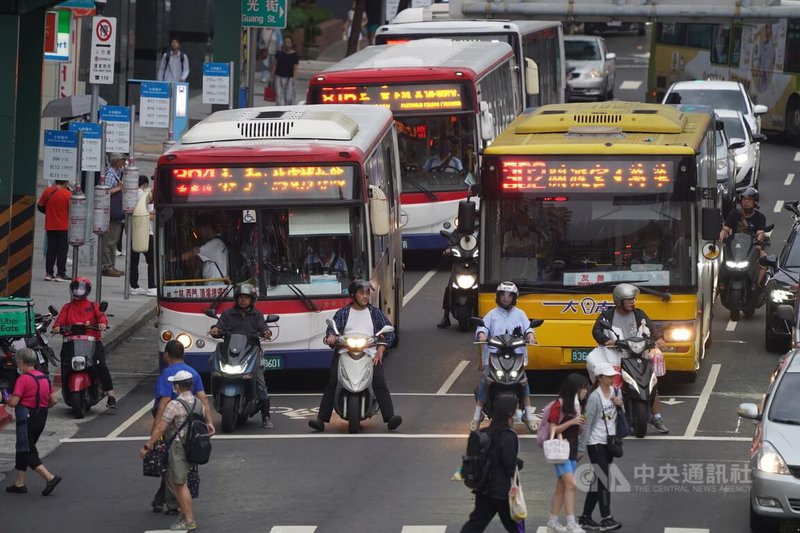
<point>118,127</point>
<point>60,155</point>
<point>115,113</point>
<point>60,139</point>
<point>91,145</point>
<point>216,69</point>
<point>90,130</point>
<point>155,89</point>
<point>81,4</point>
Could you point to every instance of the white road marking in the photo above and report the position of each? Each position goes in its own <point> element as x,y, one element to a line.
<point>797,156</point>
<point>789,178</point>
<point>130,421</point>
<point>630,85</point>
<point>778,206</point>
<point>450,394</point>
<point>293,529</point>
<point>685,530</point>
<point>702,402</point>
<point>731,326</point>
<point>423,529</point>
<point>416,288</point>
<point>452,378</point>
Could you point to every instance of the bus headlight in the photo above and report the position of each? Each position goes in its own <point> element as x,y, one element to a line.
<point>679,334</point>
<point>465,281</point>
<point>166,335</point>
<point>780,296</point>
<point>185,339</point>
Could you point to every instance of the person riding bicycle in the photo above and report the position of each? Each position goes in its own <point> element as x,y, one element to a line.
<point>747,219</point>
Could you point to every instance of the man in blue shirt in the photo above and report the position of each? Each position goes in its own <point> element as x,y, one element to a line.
<point>174,357</point>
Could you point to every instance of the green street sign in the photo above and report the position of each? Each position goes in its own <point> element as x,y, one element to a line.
<point>264,13</point>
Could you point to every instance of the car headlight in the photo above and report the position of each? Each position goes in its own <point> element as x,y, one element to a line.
<point>721,164</point>
<point>232,369</point>
<point>679,334</point>
<point>185,339</point>
<point>741,159</point>
<point>356,343</point>
<point>780,296</point>
<point>770,461</point>
<point>738,265</point>
<point>594,73</point>
<point>465,281</point>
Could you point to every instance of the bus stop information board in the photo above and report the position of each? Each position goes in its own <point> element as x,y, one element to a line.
<point>216,83</point>
<point>154,104</point>
<point>429,97</point>
<point>91,145</point>
<point>118,128</point>
<point>60,155</point>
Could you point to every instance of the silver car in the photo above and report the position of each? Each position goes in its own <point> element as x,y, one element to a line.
<point>720,94</point>
<point>775,454</point>
<point>591,68</point>
<point>746,147</point>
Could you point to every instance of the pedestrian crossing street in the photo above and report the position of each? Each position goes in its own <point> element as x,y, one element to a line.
<point>430,529</point>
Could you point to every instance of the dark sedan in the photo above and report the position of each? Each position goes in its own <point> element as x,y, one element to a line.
<point>781,286</point>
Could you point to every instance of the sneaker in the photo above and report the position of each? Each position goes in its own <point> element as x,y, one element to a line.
<point>532,423</point>
<point>574,528</point>
<point>266,423</point>
<point>554,526</point>
<point>152,292</point>
<point>588,524</point>
<point>48,488</point>
<point>183,525</point>
<point>444,323</point>
<point>111,403</point>
<point>316,424</point>
<point>474,424</point>
<point>111,272</point>
<point>61,278</point>
<point>119,253</point>
<point>609,524</point>
<point>17,490</point>
<point>49,277</point>
<point>138,290</point>
<point>658,424</point>
<point>394,422</point>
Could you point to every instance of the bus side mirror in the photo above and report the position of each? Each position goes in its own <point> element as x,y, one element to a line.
<point>487,122</point>
<point>378,211</point>
<point>712,224</point>
<point>466,217</point>
<point>785,313</point>
<point>531,77</point>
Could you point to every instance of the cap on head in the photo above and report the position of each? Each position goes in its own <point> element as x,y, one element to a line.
<point>605,369</point>
<point>181,376</point>
<point>116,156</point>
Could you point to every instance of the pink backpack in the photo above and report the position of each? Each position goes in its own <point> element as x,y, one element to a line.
<point>543,433</point>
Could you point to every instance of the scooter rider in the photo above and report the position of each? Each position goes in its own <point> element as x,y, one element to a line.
<point>244,319</point>
<point>740,220</point>
<point>361,317</point>
<point>626,317</point>
<point>504,318</point>
<point>80,311</point>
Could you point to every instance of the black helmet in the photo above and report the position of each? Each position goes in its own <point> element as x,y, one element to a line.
<point>80,287</point>
<point>506,287</point>
<point>358,284</point>
<point>750,192</point>
<point>247,290</point>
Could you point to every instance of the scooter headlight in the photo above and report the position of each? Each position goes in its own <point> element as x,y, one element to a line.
<point>637,347</point>
<point>736,265</point>
<point>630,381</point>
<point>232,369</point>
<point>653,382</point>
<point>465,281</point>
<point>780,296</point>
<point>513,374</point>
<point>499,373</point>
<point>79,363</point>
<point>356,343</point>
<point>455,252</point>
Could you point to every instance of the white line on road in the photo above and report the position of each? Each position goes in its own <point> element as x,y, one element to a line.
<point>702,403</point>
<point>293,529</point>
<point>423,529</point>
<point>778,206</point>
<point>130,421</point>
<point>685,530</point>
<point>789,178</point>
<point>630,85</point>
<point>797,156</point>
<point>450,394</point>
<point>452,378</point>
<point>731,326</point>
<point>416,288</point>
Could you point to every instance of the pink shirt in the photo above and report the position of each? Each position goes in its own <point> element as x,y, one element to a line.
<point>25,388</point>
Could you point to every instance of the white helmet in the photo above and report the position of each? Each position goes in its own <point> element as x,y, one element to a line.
<point>624,291</point>
<point>506,287</point>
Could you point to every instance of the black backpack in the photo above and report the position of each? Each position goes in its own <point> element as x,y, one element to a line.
<point>476,464</point>
<point>197,443</point>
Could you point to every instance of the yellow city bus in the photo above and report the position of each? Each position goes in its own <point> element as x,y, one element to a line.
<point>576,198</point>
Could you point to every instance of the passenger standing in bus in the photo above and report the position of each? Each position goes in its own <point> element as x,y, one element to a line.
<point>283,72</point>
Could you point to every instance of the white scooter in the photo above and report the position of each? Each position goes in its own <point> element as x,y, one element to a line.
<point>354,399</point>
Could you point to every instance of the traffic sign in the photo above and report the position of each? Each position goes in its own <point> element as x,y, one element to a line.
<point>91,145</point>
<point>216,83</point>
<point>264,13</point>
<point>104,39</point>
<point>60,155</point>
<point>154,99</point>
<point>117,120</point>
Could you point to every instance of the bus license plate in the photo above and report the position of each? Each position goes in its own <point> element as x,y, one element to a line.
<point>579,354</point>
<point>273,362</point>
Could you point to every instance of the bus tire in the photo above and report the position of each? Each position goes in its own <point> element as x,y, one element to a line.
<point>793,121</point>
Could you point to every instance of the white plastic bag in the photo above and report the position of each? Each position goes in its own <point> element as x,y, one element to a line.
<point>556,450</point>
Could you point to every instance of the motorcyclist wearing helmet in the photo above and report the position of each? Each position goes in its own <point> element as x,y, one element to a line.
<point>80,311</point>
<point>505,318</point>
<point>359,316</point>
<point>627,319</point>
<point>244,319</point>
<point>747,219</point>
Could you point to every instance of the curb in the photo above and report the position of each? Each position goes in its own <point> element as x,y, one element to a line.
<point>119,333</point>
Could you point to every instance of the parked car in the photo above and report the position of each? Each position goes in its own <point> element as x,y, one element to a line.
<point>590,28</point>
<point>774,454</point>
<point>746,147</point>
<point>781,287</point>
<point>593,71</point>
<point>721,95</point>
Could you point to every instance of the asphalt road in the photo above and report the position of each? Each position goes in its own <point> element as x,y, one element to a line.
<point>693,480</point>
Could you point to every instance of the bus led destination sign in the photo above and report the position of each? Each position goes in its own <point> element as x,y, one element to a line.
<point>431,97</point>
<point>324,182</point>
<point>608,176</point>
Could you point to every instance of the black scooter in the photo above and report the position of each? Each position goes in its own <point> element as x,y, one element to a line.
<point>462,287</point>
<point>741,292</point>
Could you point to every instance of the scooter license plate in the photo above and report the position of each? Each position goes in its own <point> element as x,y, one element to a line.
<point>273,362</point>
<point>579,354</point>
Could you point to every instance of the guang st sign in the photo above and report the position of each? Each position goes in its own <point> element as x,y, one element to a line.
<point>264,13</point>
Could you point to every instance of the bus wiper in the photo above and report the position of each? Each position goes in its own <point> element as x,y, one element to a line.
<point>218,299</point>
<point>306,300</point>
<point>665,296</point>
<point>428,193</point>
<point>531,288</point>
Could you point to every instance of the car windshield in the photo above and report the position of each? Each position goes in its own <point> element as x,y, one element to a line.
<point>734,128</point>
<point>785,406</point>
<point>581,50</point>
<point>793,257</point>
<point>718,98</point>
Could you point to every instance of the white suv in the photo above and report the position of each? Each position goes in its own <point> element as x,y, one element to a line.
<point>719,95</point>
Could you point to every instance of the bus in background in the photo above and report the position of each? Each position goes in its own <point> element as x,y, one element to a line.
<point>576,198</point>
<point>442,93</point>
<point>765,58</point>
<point>538,45</point>
<point>296,200</point>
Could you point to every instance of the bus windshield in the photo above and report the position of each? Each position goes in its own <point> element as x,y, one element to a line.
<point>563,241</point>
<point>437,152</point>
<point>286,252</point>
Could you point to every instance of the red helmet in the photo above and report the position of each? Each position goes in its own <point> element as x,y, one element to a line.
<point>80,287</point>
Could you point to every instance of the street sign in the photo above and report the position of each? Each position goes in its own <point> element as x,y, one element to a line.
<point>91,145</point>
<point>264,13</point>
<point>61,29</point>
<point>117,120</point>
<point>104,39</point>
<point>154,97</point>
<point>216,83</point>
<point>60,155</point>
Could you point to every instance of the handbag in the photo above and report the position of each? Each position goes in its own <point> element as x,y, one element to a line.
<point>516,499</point>
<point>613,442</point>
<point>623,426</point>
<point>269,93</point>
<point>556,450</point>
<point>154,463</point>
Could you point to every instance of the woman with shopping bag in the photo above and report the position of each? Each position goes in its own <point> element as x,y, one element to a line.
<point>566,420</point>
<point>496,495</point>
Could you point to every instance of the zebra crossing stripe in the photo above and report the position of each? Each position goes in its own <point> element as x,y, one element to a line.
<point>423,529</point>
<point>293,529</point>
<point>685,530</point>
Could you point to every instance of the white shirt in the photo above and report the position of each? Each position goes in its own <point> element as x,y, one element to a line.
<point>599,434</point>
<point>214,254</point>
<point>169,69</point>
<point>360,323</point>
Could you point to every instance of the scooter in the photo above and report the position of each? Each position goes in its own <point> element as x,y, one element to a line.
<point>506,366</point>
<point>463,283</point>
<point>38,342</point>
<point>354,399</point>
<point>742,293</point>
<point>233,366</point>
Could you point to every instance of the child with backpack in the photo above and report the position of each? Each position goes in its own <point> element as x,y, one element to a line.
<point>564,416</point>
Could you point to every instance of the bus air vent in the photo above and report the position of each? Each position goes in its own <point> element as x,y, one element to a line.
<point>265,129</point>
<point>597,119</point>
<point>626,117</point>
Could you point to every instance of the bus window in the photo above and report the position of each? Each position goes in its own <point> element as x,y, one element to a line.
<point>793,46</point>
<point>722,36</point>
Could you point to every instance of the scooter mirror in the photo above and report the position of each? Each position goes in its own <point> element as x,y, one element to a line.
<point>331,324</point>
<point>536,323</point>
<point>384,330</point>
<point>272,318</point>
<point>210,313</point>
<point>604,323</point>
<point>466,217</point>
<point>103,306</point>
<point>786,313</point>
<point>53,310</point>
<point>770,261</point>
<point>476,321</point>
